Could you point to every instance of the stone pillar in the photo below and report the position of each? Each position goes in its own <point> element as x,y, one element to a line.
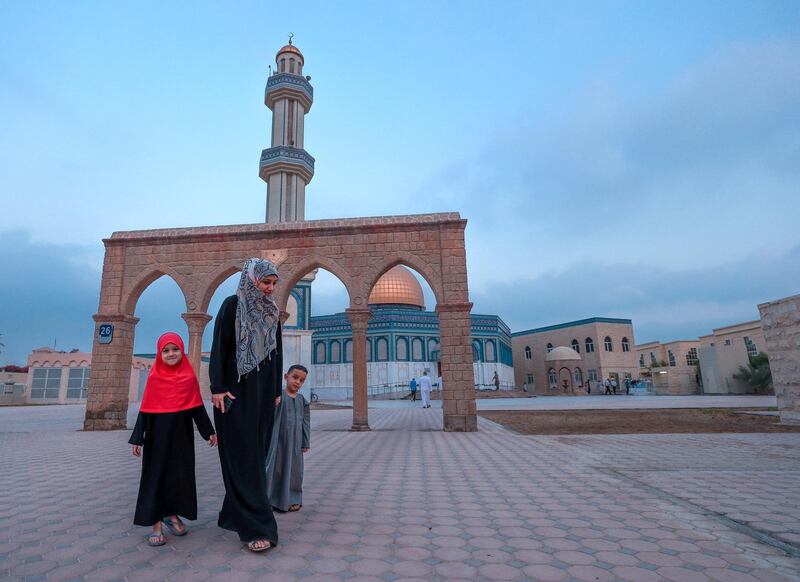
<point>458,377</point>
<point>110,377</point>
<point>358,323</point>
<point>196,322</point>
<point>780,321</point>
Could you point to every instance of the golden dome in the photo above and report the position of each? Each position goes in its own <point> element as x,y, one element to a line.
<point>397,286</point>
<point>289,48</point>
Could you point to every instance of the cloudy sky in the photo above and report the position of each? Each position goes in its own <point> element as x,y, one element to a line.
<point>629,159</point>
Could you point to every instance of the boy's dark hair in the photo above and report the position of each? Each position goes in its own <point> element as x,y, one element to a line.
<point>297,367</point>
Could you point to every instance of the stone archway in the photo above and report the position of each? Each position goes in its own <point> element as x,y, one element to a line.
<point>356,250</point>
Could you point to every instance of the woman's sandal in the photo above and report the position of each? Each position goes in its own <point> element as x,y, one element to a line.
<point>295,507</point>
<point>256,545</point>
<point>155,539</point>
<point>173,527</point>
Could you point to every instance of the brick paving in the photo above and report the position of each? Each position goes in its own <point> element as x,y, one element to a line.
<point>409,502</point>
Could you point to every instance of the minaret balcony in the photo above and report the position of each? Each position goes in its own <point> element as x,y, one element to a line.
<point>287,85</point>
<point>286,159</point>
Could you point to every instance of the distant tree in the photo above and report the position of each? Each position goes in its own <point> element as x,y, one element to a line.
<point>756,373</point>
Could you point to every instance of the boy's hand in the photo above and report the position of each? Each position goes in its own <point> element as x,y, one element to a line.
<point>137,450</point>
<point>306,450</point>
<point>212,440</point>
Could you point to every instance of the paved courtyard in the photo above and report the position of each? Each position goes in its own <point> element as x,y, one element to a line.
<point>409,502</point>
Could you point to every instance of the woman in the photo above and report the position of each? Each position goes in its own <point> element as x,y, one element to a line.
<point>246,371</point>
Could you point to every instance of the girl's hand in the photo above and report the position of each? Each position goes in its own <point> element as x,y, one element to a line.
<point>212,441</point>
<point>137,450</point>
<point>277,401</point>
<point>305,450</point>
<point>219,400</point>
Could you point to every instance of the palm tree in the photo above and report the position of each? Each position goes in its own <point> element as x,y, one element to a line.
<point>757,373</point>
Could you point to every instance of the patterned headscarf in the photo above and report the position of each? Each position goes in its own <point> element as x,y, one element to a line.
<point>257,317</point>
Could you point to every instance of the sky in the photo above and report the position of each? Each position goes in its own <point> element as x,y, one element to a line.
<point>619,159</point>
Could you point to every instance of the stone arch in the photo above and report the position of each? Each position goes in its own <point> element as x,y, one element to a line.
<point>415,262</point>
<point>303,268</point>
<point>215,279</point>
<point>131,296</point>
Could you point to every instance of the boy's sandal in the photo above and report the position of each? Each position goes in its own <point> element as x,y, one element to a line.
<point>295,507</point>
<point>257,545</point>
<point>175,528</point>
<point>155,539</point>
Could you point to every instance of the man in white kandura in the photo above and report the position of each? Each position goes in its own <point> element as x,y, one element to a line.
<point>425,388</point>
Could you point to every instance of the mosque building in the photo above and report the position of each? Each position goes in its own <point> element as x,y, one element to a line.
<point>402,336</point>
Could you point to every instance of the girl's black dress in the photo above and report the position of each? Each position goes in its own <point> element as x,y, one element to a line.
<point>244,431</point>
<point>168,486</point>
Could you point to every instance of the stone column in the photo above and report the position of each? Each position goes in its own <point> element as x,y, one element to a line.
<point>110,377</point>
<point>458,377</point>
<point>358,323</point>
<point>196,322</point>
<point>780,321</point>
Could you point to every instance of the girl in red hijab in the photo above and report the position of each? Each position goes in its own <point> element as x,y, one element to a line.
<point>170,404</point>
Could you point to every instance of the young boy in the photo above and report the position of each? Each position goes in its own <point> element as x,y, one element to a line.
<point>291,438</point>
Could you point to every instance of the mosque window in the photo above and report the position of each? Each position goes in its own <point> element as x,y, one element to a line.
<point>589,345</point>
<point>382,349</point>
<point>476,351</point>
<point>319,353</point>
<point>46,382</point>
<point>551,378</point>
<point>641,360</point>
<point>491,354</point>
<point>592,375</point>
<point>417,349</point>
<point>607,344</point>
<point>78,383</point>
<point>578,375</point>
<point>576,346</point>
<point>528,353</point>
<point>530,379</point>
<point>691,357</point>
<point>626,345</point>
<point>752,350</point>
<point>653,360</point>
<point>369,350</point>
<point>671,357</point>
<point>401,349</point>
<point>348,351</point>
<point>283,65</point>
<point>336,352</point>
<point>291,66</point>
<point>549,348</point>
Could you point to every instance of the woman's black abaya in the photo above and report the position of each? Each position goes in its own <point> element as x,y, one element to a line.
<point>244,431</point>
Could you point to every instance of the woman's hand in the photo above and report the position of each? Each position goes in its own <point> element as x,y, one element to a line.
<point>305,450</point>
<point>212,440</point>
<point>137,450</point>
<point>219,400</point>
<point>277,401</point>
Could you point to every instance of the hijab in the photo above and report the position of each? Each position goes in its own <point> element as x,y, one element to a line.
<point>171,388</point>
<point>257,317</point>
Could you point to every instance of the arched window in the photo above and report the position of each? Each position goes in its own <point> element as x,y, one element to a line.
<point>370,354</point>
<point>491,354</point>
<point>626,346</point>
<point>528,353</point>
<point>476,351</point>
<point>433,350</point>
<point>671,357</point>
<point>401,349</point>
<point>348,351</point>
<point>653,360</point>
<point>576,345</point>
<point>552,379</point>
<point>319,353</point>
<point>291,66</point>
<point>641,360</point>
<point>609,347</point>
<point>578,376</point>
<point>417,349</point>
<point>283,65</point>
<point>589,345</point>
<point>336,352</point>
<point>549,348</point>
<point>382,349</point>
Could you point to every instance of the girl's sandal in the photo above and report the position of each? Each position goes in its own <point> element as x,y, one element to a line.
<point>295,507</point>
<point>155,539</point>
<point>176,529</point>
<point>257,545</point>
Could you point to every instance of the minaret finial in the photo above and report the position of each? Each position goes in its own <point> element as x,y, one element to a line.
<point>291,36</point>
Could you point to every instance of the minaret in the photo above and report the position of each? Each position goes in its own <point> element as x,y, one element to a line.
<point>286,167</point>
